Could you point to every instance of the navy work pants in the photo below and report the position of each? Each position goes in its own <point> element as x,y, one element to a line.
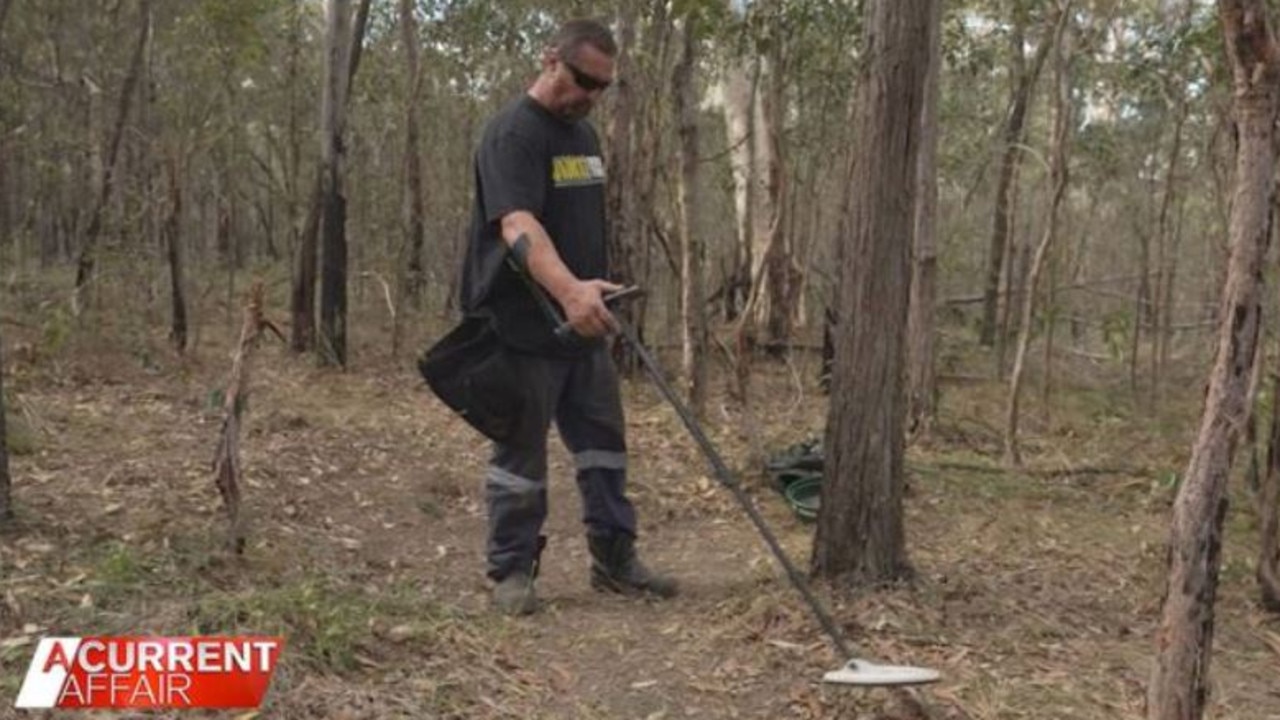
<point>582,396</point>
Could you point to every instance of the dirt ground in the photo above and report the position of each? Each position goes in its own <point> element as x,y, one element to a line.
<point>1036,597</point>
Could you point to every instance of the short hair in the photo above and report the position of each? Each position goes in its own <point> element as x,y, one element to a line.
<point>573,34</point>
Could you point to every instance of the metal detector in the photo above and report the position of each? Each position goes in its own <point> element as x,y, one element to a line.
<point>856,671</point>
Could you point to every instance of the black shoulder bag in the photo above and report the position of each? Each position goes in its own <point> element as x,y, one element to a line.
<point>472,371</point>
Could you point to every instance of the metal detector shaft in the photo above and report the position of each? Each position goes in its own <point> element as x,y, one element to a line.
<point>564,331</point>
<point>726,478</point>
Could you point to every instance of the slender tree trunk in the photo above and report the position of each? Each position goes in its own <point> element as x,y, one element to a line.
<point>1179,686</point>
<point>1163,294</point>
<point>1017,268</point>
<point>415,273</point>
<point>692,308</point>
<point>860,534</point>
<point>356,50</point>
<point>1002,223</point>
<point>6,205</point>
<point>651,120</point>
<point>778,273</point>
<point>739,104</point>
<point>325,207</point>
<point>742,79</point>
<point>343,52</point>
<point>1079,256</point>
<point>767,312</point>
<point>1268,570</point>
<point>304,278</point>
<point>5,5</point>
<point>333,203</point>
<point>756,96</point>
<point>830,314</point>
<point>924,282</point>
<point>1141,307</point>
<point>622,187</point>
<point>88,247</point>
<point>1253,470</point>
<point>1058,172</point>
<point>6,500</point>
<point>302,295</point>
<point>293,176</point>
<point>764,211</point>
<point>1169,282</point>
<point>171,232</point>
<point>1220,164</point>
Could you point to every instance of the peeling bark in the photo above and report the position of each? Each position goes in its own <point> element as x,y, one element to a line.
<point>1179,684</point>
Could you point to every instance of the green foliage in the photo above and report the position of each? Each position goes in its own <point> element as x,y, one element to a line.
<point>1117,329</point>
<point>55,328</point>
<point>232,88</point>
<point>120,572</point>
<point>217,400</point>
<point>236,27</point>
<point>19,440</point>
<point>325,624</point>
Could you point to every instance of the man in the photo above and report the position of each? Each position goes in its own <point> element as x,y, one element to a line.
<point>540,198</point>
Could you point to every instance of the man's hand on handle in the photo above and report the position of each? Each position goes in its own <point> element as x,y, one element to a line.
<point>584,308</point>
<point>582,300</point>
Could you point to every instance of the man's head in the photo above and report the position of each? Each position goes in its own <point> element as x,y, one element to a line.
<point>577,66</point>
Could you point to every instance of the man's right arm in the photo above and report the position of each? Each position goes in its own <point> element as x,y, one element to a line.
<point>581,299</point>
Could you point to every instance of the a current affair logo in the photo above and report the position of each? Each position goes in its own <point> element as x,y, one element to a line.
<point>150,672</point>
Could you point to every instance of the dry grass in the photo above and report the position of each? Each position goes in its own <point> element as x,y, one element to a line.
<point>1037,590</point>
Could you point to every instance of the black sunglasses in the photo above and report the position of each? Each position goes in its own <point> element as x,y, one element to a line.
<point>585,81</point>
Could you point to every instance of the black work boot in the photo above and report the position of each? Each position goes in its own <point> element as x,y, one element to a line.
<point>514,595</point>
<point>616,568</point>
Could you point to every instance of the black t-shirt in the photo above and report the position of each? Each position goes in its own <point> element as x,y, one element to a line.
<point>531,160</point>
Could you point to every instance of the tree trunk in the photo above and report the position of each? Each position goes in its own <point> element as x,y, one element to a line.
<point>5,5</point>
<point>1058,172</point>
<point>763,273</point>
<point>742,79</point>
<point>1051,311</point>
<point>1141,305</point>
<point>333,203</point>
<point>342,53</point>
<point>6,500</point>
<point>1163,294</point>
<point>777,274</point>
<point>830,318</point>
<point>622,186</point>
<point>6,213</point>
<point>860,534</point>
<point>302,296</point>
<point>88,247</point>
<point>649,129</point>
<point>739,115</point>
<point>327,206</point>
<point>1179,684</point>
<point>303,299</point>
<point>767,312</point>
<point>171,232</point>
<point>1002,223</point>
<point>924,281</point>
<point>1164,337</point>
<point>415,273</point>
<point>692,250</point>
<point>1268,570</point>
